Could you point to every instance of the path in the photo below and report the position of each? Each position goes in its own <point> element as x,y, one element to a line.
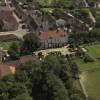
<point>82,79</point>
<point>64,50</point>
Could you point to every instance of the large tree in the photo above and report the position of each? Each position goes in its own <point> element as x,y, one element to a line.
<point>30,44</point>
<point>14,50</point>
<point>49,79</point>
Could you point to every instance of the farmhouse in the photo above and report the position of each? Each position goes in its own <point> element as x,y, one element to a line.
<point>53,38</point>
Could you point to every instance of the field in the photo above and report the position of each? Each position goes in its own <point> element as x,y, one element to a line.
<point>91,72</point>
<point>92,83</point>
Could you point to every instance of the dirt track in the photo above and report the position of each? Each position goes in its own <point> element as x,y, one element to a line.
<point>82,80</point>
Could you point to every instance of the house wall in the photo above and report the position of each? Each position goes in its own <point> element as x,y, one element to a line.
<point>54,42</point>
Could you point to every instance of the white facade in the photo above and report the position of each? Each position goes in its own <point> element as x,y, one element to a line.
<point>54,42</point>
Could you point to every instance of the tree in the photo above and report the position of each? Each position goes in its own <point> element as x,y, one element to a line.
<point>48,79</point>
<point>17,89</point>
<point>77,95</point>
<point>14,51</point>
<point>91,3</point>
<point>30,44</point>
<point>58,90</point>
<point>22,77</point>
<point>81,13</point>
<point>74,69</point>
<point>3,88</point>
<point>88,58</point>
<point>40,55</point>
<point>51,63</point>
<point>61,3</point>
<point>10,89</point>
<point>23,96</point>
<point>97,21</point>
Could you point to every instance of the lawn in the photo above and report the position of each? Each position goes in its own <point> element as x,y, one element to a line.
<point>6,44</point>
<point>94,52</point>
<point>92,83</point>
<point>91,72</point>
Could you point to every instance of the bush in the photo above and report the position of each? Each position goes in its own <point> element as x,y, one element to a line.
<point>88,58</point>
<point>14,51</point>
<point>40,55</point>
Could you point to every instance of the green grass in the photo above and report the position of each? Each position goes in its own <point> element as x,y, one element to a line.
<point>45,2</point>
<point>77,85</point>
<point>46,10</point>
<point>91,71</point>
<point>92,83</point>
<point>6,44</point>
<point>87,66</point>
<point>50,2</point>
<point>94,52</point>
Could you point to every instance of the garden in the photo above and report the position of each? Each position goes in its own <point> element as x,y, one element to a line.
<point>6,44</point>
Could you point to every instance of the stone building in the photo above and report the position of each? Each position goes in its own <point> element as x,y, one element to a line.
<point>53,39</point>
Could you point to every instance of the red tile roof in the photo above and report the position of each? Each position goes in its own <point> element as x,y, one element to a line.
<point>4,69</point>
<point>10,66</point>
<point>51,34</point>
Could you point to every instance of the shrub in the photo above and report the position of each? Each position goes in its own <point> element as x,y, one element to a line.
<point>88,58</point>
